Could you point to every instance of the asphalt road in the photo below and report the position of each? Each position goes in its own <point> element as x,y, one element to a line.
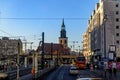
<point>62,73</point>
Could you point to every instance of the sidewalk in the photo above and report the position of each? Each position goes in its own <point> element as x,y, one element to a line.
<point>27,77</point>
<point>38,74</point>
<point>101,73</point>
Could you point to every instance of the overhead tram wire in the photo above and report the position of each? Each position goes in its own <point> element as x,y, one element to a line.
<point>12,18</point>
<point>9,35</point>
<point>5,32</point>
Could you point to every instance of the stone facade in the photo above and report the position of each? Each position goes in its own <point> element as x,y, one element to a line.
<point>104,28</point>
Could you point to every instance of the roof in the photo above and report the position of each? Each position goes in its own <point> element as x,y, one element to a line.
<point>56,48</point>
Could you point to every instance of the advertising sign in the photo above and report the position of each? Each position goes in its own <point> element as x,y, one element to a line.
<point>111,55</point>
<point>112,52</point>
<point>112,48</point>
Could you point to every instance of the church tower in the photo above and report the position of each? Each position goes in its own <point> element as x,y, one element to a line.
<point>63,39</point>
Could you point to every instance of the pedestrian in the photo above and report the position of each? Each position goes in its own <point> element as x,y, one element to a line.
<point>110,70</point>
<point>105,69</point>
<point>33,71</point>
<point>114,68</point>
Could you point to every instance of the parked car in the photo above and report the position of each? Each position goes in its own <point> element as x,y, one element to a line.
<point>73,70</point>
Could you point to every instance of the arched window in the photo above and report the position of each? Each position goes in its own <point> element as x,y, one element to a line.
<point>65,41</point>
<point>60,41</point>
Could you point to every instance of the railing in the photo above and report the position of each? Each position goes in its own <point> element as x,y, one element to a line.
<point>41,73</point>
<point>13,74</point>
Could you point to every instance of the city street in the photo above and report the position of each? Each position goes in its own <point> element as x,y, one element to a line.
<point>62,73</point>
<point>60,40</point>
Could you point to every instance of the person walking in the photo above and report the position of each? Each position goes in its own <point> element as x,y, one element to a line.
<point>110,70</point>
<point>114,68</point>
<point>106,69</point>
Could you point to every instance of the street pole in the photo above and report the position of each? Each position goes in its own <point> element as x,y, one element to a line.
<point>105,17</point>
<point>42,61</point>
<point>51,54</point>
<point>34,67</point>
<point>18,61</point>
<point>79,50</point>
<point>57,57</point>
<point>31,45</point>
<point>51,51</point>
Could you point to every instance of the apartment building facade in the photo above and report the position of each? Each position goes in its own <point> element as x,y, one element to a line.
<point>104,28</point>
<point>9,47</point>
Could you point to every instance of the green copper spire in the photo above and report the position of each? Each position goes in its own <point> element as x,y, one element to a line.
<point>63,31</point>
<point>63,25</point>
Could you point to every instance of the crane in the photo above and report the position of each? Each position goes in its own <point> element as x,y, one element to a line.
<point>73,44</point>
<point>26,45</point>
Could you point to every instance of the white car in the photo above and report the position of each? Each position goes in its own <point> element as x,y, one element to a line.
<point>74,70</point>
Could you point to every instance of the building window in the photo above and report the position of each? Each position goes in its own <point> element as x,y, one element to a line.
<point>117,12</point>
<point>65,41</point>
<point>117,5</point>
<point>60,41</point>
<point>117,41</point>
<point>117,27</point>
<point>117,34</point>
<point>117,19</point>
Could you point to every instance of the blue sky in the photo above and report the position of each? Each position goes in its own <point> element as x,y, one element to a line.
<point>55,9</point>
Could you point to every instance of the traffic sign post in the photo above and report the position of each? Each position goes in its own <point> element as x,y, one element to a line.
<point>111,56</point>
<point>112,52</point>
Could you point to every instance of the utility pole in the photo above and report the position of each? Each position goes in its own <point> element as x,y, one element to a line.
<point>42,61</point>
<point>26,45</point>
<point>57,58</point>
<point>74,44</point>
<point>51,51</point>
<point>31,45</point>
<point>105,18</point>
<point>18,61</point>
<point>79,50</point>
